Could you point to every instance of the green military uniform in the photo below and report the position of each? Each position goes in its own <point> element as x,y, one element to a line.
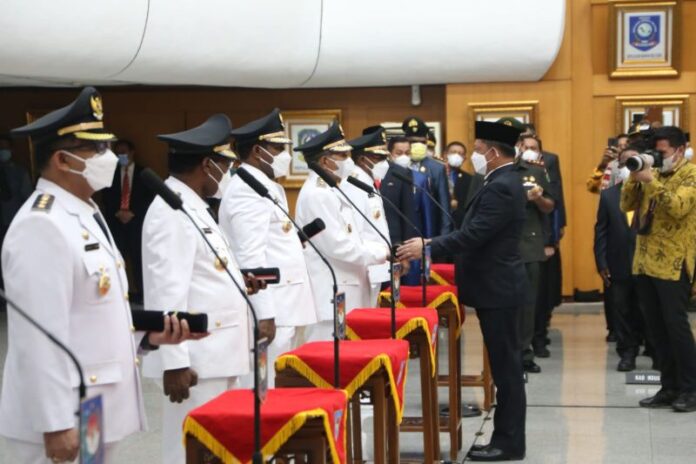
<point>534,237</point>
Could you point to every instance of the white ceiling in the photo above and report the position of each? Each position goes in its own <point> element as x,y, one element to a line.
<point>277,43</point>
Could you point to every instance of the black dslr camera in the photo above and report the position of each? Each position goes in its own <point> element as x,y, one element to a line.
<point>647,160</point>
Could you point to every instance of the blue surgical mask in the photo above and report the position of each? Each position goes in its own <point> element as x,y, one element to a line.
<point>122,159</point>
<point>5,155</point>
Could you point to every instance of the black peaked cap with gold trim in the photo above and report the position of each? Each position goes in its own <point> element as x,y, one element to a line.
<point>213,136</point>
<point>269,128</point>
<point>82,119</point>
<point>371,143</point>
<point>415,127</point>
<point>332,140</point>
<point>496,132</point>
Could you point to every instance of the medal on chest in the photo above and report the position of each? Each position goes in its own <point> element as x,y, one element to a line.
<point>287,226</point>
<point>104,281</point>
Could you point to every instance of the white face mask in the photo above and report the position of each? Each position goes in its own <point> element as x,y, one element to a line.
<point>99,169</point>
<point>623,173</point>
<point>403,160</point>
<point>222,183</point>
<point>689,153</point>
<point>280,164</point>
<point>345,168</point>
<point>455,159</point>
<point>379,170</point>
<point>530,155</point>
<point>480,163</point>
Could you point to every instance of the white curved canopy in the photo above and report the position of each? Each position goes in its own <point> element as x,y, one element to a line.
<point>277,43</point>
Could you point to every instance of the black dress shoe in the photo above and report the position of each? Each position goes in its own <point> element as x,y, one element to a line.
<point>492,454</point>
<point>542,352</point>
<point>531,367</point>
<point>685,403</point>
<point>479,447</point>
<point>662,399</point>
<point>627,364</point>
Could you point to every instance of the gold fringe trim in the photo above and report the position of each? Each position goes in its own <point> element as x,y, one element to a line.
<point>274,444</point>
<point>438,279</point>
<point>373,366</point>
<point>411,326</point>
<point>385,300</point>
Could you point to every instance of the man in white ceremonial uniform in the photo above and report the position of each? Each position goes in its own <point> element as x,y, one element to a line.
<point>340,242</point>
<point>61,266</point>
<point>261,236</point>
<point>370,157</point>
<point>180,273</point>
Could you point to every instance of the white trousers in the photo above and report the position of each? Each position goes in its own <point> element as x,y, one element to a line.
<point>322,331</point>
<point>286,339</point>
<point>173,415</point>
<point>23,452</point>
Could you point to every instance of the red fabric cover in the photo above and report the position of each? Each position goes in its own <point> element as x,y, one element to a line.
<point>444,270</point>
<point>225,424</point>
<point>359,360</point>
<point>375,323</point>
<point>435,295</point>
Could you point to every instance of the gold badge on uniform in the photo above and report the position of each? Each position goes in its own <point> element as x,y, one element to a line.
<point>377,214</point>
<point>454,203</point>
<point>221,265</point>
<point>104,281</point>
<point>422,169</point>
<point>287,226</point>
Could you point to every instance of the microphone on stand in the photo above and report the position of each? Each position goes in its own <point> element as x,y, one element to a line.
<point>82,390</point>
<point>372,191</point>
<point>332,183</point>
<point>157,185</point>
<point>262,191</point>
<point>310,230</point>
<point>410,182</point>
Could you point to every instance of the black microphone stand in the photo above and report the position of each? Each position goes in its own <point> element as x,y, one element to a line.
<point>82,389</point>
<point>262,191</point>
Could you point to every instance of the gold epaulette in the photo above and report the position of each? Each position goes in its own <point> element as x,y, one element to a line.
<point>43,202</point>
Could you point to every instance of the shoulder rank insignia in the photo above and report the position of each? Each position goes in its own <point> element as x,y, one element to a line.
<point>320,182</point>
<point>43,202</point>
<point>536,162</point>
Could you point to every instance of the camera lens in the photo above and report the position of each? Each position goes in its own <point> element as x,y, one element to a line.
<point>634,163</point>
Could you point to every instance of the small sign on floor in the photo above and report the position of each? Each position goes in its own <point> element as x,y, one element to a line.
<point>643,378</point>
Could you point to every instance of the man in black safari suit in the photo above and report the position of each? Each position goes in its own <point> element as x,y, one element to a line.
<point>492,279</point>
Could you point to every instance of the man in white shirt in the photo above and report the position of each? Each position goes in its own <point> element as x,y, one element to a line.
<point>340,242</point>
<point>261,236</point>
<point>181,273</point>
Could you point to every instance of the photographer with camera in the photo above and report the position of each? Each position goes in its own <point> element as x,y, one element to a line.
<point>604,175</point>
<point>661,190</point>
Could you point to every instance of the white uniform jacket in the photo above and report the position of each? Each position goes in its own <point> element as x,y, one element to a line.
<point>342,245</point>
<point>55,260</point>
<point>373,208</point>
<point>180,273</point>
<point>260,235</point>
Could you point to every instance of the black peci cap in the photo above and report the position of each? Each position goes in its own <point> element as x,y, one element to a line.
<point>210,137</point>
<point>82,119</point>
<point>495,132</point>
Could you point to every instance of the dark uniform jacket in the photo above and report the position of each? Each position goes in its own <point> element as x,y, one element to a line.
<point>490,272</point>
<point>536,226</point>
<point>614,240</point>
<point>437,176</point>
<point>401,195</point>
<point>460,195</point>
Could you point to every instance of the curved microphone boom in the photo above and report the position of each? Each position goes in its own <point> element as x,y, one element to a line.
<point>262,191</point>
<point>401,177</point>
<point>157,185</point>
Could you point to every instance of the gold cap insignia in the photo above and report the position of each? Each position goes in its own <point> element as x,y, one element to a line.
<point>508,123</point>
<point>413,124</point>
<point>97,109</point>
<point>384,137</point>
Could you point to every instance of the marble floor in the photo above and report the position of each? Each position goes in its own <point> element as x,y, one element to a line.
<point>580,409</point>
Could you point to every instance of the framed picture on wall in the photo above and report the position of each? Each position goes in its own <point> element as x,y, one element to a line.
<point>302,126</point>
<point>645,38</point>
<point>523,111</point>
<point>393,129</point>
<point>668,110</point>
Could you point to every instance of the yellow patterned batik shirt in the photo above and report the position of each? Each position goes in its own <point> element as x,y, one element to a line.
<point>670,244</point>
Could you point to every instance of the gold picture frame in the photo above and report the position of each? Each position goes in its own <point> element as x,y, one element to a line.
<point>674,110</point>
<point>645,38</point>
<point>300,126</point>
<point>524,111</point>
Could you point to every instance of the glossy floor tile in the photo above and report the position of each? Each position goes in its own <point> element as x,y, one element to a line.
<point>580,409</point>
